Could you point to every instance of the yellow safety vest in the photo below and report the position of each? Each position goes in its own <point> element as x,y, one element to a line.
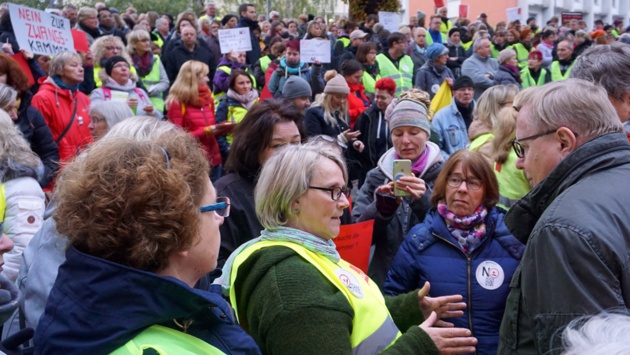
<point>512,182</point>
<point>3,204</point>
<point>97,69</point>
<point>218,96</point>
<point>159,40</point>
<point>151,79</point>
<point>467,45</point>
<point>481,140</point>
<point>373,329</point>
<point>445,27</point>
<point>345,41</point>
<point>556,73</point>
<point>429,39</point>
<point>166,341</point>
<point>521,54</point>
<point>528,81</point>
<point>402,75</point>
<point>264,63</point>
<point>369,82</point>
<point>236,115</point>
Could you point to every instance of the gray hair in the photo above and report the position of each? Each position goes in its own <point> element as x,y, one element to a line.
<point>7,95</point>
<point>607,66</point>
<point>477,43</point>
<point>142,128</point>
<point>505,55</point>
<point>418,29</point>
<point>59,60</point>
<point>576,104</point>
<point>159,22</point>
<point>490,102</point>
<point>16,157</point>
<point>85,12</point>
<point>285,177</point>
<point>602,334</point>
<point>112,111</point>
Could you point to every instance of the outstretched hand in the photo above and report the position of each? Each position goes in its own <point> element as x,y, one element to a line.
<point>449,341</point>
<point>444,306</point>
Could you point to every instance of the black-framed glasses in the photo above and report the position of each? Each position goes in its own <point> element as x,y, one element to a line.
<point>221,207</point>
<point>335,192</point>
<point>456,181</point>
<point>518,147</point>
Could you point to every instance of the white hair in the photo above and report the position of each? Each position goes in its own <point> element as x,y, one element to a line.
<point>505,55</point>
<point>602,334</point>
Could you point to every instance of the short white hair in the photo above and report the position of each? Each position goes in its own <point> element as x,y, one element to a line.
<point>602,334</point>
<point>506,55</point>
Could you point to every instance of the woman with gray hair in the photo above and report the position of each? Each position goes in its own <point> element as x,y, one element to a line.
<point>105,115</point>
<point>87,21</point>
<point>300,196</point>
<point>22,200</point>
<point>508,72</point>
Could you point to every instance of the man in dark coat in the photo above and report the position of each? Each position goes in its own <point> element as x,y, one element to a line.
<point>185,49</point>
<point>248,20</point>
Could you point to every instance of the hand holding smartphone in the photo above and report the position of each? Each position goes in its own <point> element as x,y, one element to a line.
<point>402,167</point>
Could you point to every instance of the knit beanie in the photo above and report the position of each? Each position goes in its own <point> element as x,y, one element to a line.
<point>296,87</point>
<point>337,85</point>
<point>435,50</point>
<point>112,61</point>
<point>227,19</point>
<point>409,113</point>
<point>463,82</point>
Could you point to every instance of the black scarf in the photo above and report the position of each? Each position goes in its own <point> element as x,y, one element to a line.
<point>94,32</point>
<point>250,23</point>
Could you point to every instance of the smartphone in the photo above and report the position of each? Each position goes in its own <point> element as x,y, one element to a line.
<point>402,167</point>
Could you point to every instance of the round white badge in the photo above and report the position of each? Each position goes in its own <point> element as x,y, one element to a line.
<point>435,88</point>
<point>405,67</point>
<point>490,275</point>
<point>350,281</point>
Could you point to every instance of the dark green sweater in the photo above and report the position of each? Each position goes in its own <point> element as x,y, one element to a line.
<point>289,307</point>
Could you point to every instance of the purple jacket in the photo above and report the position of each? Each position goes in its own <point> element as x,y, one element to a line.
<point>221,77</point>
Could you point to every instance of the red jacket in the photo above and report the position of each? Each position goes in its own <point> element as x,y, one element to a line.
<point>357,102</point>
<point>194,120</point>
<point>56,105</point>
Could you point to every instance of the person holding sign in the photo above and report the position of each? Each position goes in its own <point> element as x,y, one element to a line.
<point>290,65</point>
<point>300,197</point>
<point>464,237</point>
<point>120,85</point>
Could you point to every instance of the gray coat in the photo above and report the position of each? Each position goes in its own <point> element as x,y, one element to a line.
<point>476,67</point>
<point>576,226</point>
<point>429,80</point>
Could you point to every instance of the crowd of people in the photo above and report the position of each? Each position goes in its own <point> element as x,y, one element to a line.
<point>161,195</point>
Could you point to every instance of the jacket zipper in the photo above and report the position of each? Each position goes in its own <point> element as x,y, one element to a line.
<point>204,116</point>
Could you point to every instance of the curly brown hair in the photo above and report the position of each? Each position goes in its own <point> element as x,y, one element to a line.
<point>16,78</point>
<point>134,202</point>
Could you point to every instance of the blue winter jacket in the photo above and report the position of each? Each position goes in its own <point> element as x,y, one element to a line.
<point>430,253</point>
<point>96,306</point>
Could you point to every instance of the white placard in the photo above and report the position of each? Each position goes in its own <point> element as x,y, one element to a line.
<point>235,39</point>
<point>513,14</point>
<point>40,32</point>
<point>118,95</point>
<point>390,20</point>
<point>312,49</point>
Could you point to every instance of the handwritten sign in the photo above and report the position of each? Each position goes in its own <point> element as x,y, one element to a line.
<point>235,39</point>
<point>354,242</point>
<point>314,49</point>
<point>390,20</point>
<point>513,14</point>
<point>40,32</point>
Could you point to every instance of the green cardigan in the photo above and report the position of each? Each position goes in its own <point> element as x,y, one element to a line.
<point>289,307</point>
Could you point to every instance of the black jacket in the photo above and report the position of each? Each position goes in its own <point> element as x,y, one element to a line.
<point>375,136</point>
<point>576,227</point>
<point>174,59</point>
<point>256,52</point>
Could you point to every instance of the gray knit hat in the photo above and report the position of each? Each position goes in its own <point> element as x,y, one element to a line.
<point>337,85</point>
<point>296,87</point>
<point>409,113</point>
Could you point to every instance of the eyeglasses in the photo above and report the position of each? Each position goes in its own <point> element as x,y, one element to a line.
<point>111,48</point>
<point>121,65</point>
<point>335,192</point>
<point>145,40</point>
<point>221,207</point>
<point>518,147</point>
<point>456,181</point>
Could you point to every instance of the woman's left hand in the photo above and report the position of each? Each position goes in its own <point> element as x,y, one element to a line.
<point>444,306</point>
<point>28,55</point>
<point>449,81</point>
<point>413,185</point>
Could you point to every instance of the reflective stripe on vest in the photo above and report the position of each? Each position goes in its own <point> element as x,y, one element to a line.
<point>264,63</point>
<point>369,82</point>
<point>97,70</point>
<point>3,204</point>
<point>151,79</point>
<point>556,73</point>
<point>512,182</point>
<point>402,77</point>
<point>236,115</point>
<point>372,327</point>
<point>165,341</point>
<point>528,81</point>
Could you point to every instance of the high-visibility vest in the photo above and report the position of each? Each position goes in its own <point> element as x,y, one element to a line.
<point>467,45</point>
<point>369,82</point>
<point>3,204</point>
<point>166,341</point>
<point>235,115</point>
<point>445,27</point>
<point>264,63</point>
<point>402,76</point>
<point>527,80</point>
<point>521,54</point>
<point>151,79</point>
<point>512,182</point>
<point>480,141</point>
<point>159,40</point>
<point>556,73</point>
<point>220,95</point>
<point>373,329</point>
<point>429,39</point>
<point>345,41</point>
<point>97,69</point>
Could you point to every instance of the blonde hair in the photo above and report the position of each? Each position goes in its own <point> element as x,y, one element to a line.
<point>15,152</point>
<point>98,48</point>
<point>134,37</point>
<point>504,133</point>
<point>324,100</point>
<point>185,89</point>
<point>490,102</point>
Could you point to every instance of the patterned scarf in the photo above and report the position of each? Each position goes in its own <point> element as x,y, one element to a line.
<point>247,100</point>
<point>143,64</point>
<point>281,234</point>
<point>467,230</point>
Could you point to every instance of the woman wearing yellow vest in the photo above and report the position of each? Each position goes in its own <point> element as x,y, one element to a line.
<point>486,116</point>
<point>148,66</point>
<point>366,55</point>
<point>142,222</point>
<point>294,294</point>
<point>104,48</point>
<point>241,96</point>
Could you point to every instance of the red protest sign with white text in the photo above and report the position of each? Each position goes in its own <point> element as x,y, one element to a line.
<point>354,242</point>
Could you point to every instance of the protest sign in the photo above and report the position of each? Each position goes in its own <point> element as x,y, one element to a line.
<point>312,49</point>
<point>389,20</point>
<point>439,3</point>
<point>40,32</point>
<point>235,39</point>
<point>81,43</point>
<point>568,16</point>
<point>513,14</point>
<point>463,11</point>
<point>354,242</point>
